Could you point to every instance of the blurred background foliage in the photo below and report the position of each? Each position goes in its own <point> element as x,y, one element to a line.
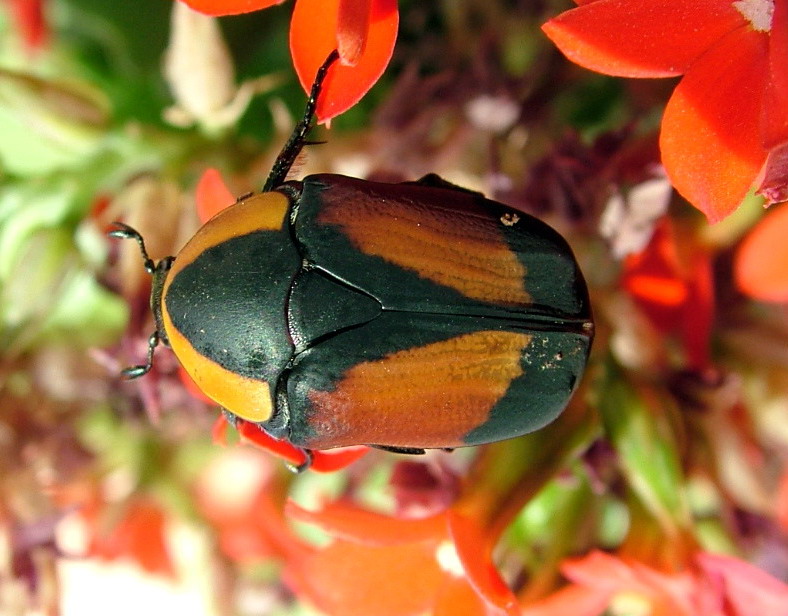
<point>114,471</point>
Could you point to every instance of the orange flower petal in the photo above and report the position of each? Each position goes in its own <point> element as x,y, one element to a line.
<point>775,129</point>
<point>355,580</point>
<point>245,543</point>
<point>140,536</point>
<point>574,599</point>
<point>761,264</point>
<point>632,38</point>
<point>599,570</point>
<point>229,7</point>
<point>747,590</point>
<point>314,35</point>
<point>475,553</point>
<point>458,598</point>
<point>710,139</point>
<point>211,195</point>
<point>352,524</point>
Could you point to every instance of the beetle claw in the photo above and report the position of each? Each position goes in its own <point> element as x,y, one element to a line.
<point>135,372</point>
<point>300,468</point>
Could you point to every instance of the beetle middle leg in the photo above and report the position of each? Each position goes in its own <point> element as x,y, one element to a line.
<point>411,451</point>
<point>309,456</point>
<point>134,372</point>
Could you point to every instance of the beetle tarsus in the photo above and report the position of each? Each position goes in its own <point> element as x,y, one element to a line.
<point>297,140</point>
<point>300,468</point>
<point>125,232</point>
<point>410,451</point>
<point>231,418</point>
<point>135,372</point>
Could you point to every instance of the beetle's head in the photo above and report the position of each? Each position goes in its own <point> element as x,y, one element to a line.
<point>159,272</point>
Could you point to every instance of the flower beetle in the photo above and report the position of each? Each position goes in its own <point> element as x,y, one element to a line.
<point>334,311</point>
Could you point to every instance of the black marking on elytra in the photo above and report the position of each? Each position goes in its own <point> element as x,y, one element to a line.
<point>230,303</point>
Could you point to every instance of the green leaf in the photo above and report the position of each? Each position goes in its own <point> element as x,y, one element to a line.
<point>47,125</point>
<point>637,422</point>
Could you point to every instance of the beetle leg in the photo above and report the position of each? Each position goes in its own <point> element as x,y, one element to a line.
<point>231,417</point>
<point>297,140</point>
<point>300,468</point>
<point>125,232</point>
<point>411,451</point>
<point>134,372</point>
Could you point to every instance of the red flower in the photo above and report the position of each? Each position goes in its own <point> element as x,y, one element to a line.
<point>211,195</point>
<point>441,564</point>
<point>715,586</point>
<point>322,461</point>
<point>674,289</point>
<point>363,31</point>
<point>30,21</point>
<point>230,7</point>
<point>729,112</point>
<point>390,566</point>
<point>241,493</point>
<point>139,535</point>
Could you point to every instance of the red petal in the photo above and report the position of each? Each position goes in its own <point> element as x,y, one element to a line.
<point>710,138</point>
<point>573,599</point>
<point>458,598</point>
<point>192,388</point>
<point>475,553</point>
<point>139,535</point>
<point>251,433</point>
<point>747,590</point>
<point>352,524</point>
<point>211,195</point>
<point>219,430</point>
<point>30,19</point>
<point>355,580</point>
<point>782,502</point>
<point>314,35</point>
<point>322,461</point>
<point>698,318</point>
<point>336,459</point>
<point>352,27</point>
<point>655,280</point>
<point>633,38</point>
<point>229,7</point>
<point>775,112</point>
<point>761,265</point>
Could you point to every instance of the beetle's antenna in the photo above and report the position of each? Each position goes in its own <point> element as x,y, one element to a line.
<point>298,138</point>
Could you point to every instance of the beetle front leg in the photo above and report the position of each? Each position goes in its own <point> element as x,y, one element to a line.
<point>134,372</point>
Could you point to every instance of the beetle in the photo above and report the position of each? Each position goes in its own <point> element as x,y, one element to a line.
<point>335,311</point>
